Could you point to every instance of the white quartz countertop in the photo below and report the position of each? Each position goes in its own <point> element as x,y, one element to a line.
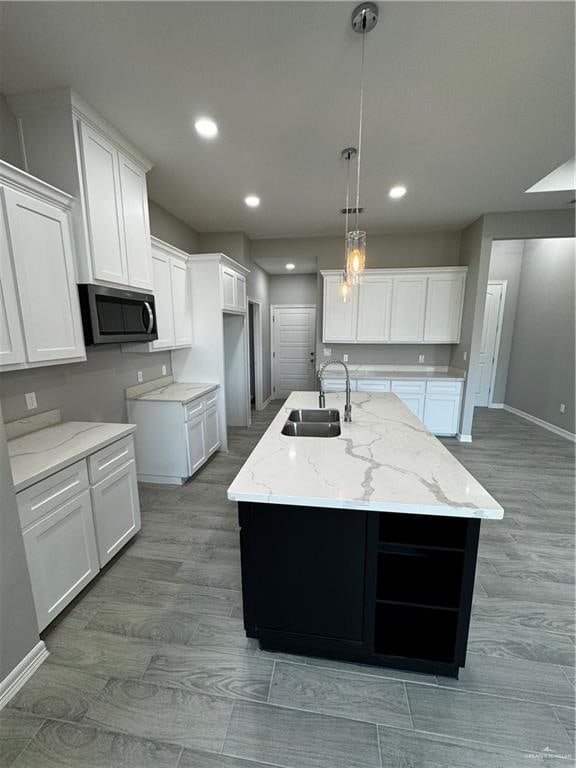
<point>39,454</point>
<point>371,372</point>
<point>177,392</point>
<point>385,460</point>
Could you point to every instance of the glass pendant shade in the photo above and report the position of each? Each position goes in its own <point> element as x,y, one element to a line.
<point>355,255</point>
<point>345,288</point>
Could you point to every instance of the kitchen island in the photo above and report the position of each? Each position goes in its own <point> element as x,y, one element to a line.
<point>361,546</point>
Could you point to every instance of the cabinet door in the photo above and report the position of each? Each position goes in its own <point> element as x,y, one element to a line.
<point>40,236</point>
<point>103,200</point>
<point>228,277</point>
<point>340,318</point>
<point>116,510</point>
<point>444,308</point>
<point>181,304</point>
<point>408,307</point>
<point>374,308</point>
<point>196,443</point>
<point>11,337</point>
<point>136,226</point>
<point>414,402</point>
<point>163,300</point>
<point>61,555</point>
<point>240,292</point>
<point>442,414</point>
<point>373,385</point>
<point>212,431</point>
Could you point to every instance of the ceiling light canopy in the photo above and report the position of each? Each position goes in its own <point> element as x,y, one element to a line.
<point>290,266</point>
<point>397,192</point>
<point>206,127</point>
<point>252,201</point>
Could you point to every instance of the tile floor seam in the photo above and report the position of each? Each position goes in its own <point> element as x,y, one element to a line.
<point>31,739</point>
<point>271,681</point>
<point>460,739</point>
<point>221,750</point>
<point>408,705</point>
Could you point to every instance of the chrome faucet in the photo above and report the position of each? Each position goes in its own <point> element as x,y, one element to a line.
<point>321,393</point>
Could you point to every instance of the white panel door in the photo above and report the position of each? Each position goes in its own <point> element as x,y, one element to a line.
<point>116,510</point>
<point>340,318</point>
<point>61,555</point>
<point>161,268</point>
<point>100,169</point>
<point>228,277</point>
<point>408,309</point>
<point>11,336</point>
<point>196,443</point>
<point>212,431</point>
<point>136,226</point>
<point>294,330</point>
<point>181,304</point>
<point>40,235</point>
<point>444,308</point>
<point>442,413</point>
<point>486,359</point>
<point>374,308</point>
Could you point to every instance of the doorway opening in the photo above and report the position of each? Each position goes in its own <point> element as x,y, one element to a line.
<point>255,354</point>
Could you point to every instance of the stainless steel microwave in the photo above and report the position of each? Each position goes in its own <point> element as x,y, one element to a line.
<point>110,315</point>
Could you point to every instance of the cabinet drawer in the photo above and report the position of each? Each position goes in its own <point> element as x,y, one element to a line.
<point>194,409</point>
<point>444,387</point>
<point>105,461</point>
<point>338,385</point>
<point>409,387</point>
<point>211,400</point>
<point>373,385</point>
<point>41,498</point>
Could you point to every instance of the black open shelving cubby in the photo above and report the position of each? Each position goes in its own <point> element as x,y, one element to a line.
<point>418,633</point>
<point>422,531</point>
<point>423,577</point>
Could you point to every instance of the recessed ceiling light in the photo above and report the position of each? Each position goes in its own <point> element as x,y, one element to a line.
<point>397,192</point>
<point>252,201</point>
<point>206,128</point>
<point>290,266</point>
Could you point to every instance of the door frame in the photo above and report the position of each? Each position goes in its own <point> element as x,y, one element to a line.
<point>272,336</point>
<point>503,284</point>
<point>258,370</point>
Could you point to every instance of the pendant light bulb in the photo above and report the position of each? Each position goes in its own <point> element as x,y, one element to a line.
<point>345,288</point>
<point>355,255</point>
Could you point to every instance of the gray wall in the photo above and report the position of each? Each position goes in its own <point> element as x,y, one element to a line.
<point>18,627</point>
<point>167,227</point>
<point>9,144</point>
<point>90,391</point>
<point>506,264</point>
<point>541,371</point>
<point>293,289</point>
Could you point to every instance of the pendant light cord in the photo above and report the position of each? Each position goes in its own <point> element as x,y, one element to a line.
<point>347,209</point>
<point>360,123</point>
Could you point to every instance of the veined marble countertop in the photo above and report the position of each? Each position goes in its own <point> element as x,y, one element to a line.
<point>385,460</point>
<point>176,392</point>
<point>384,372</point>
<point>42,453</point>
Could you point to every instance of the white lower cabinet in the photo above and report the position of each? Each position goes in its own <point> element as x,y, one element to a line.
<point>116,509</point>
<point>212,431</point>
<point>61,555</point>
<point>71,528</point>
<point>195,430</point>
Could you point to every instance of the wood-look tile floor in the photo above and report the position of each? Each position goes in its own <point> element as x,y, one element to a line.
<point>150,667</point>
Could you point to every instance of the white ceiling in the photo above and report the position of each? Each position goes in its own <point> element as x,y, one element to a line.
<point>468,104</point>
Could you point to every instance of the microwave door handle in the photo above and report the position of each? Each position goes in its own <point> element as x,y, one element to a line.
<point>150,317</point>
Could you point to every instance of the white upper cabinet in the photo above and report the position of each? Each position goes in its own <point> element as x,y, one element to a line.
<point>67,143</point>
<point>374,308</point>
<point>173,297</point>
<point>396,306</point>
<point>233,289</point>
<point>39,310</point>
<point>340,318</point>
<point>444,307</point>
<point>408,309</point>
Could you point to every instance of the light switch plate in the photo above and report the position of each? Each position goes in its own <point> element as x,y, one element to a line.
<point>465,355</point>
<point>344,358</point>
<point>562,407</point>
<point>163,370</point>
<point>327,351</point>
<point>140,377</point>
<point>421,358</point>
<point>31,401</point>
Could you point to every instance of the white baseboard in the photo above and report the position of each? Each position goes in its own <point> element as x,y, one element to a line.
<point>541,423</point>
<point>496,405</point>
<point>464,438</point>
<point>10,686</point>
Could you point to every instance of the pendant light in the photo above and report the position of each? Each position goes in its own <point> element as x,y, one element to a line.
<point>364,19</point>
<point>346,282</point>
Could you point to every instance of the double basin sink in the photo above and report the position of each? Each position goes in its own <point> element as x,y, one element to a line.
<point>321,422</point>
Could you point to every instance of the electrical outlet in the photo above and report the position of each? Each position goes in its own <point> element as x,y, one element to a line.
<point>140,377</point>
<point>465,355</point>
<point>421,358</point>
<point>344,358</point>
<point>327,351</point>
<point>163,370</point>
<point>31,402</point>
<point>562,407</point>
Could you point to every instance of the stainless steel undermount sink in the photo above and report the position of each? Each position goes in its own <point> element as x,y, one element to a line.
<point>311,429</point>
<point>315,415</point>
